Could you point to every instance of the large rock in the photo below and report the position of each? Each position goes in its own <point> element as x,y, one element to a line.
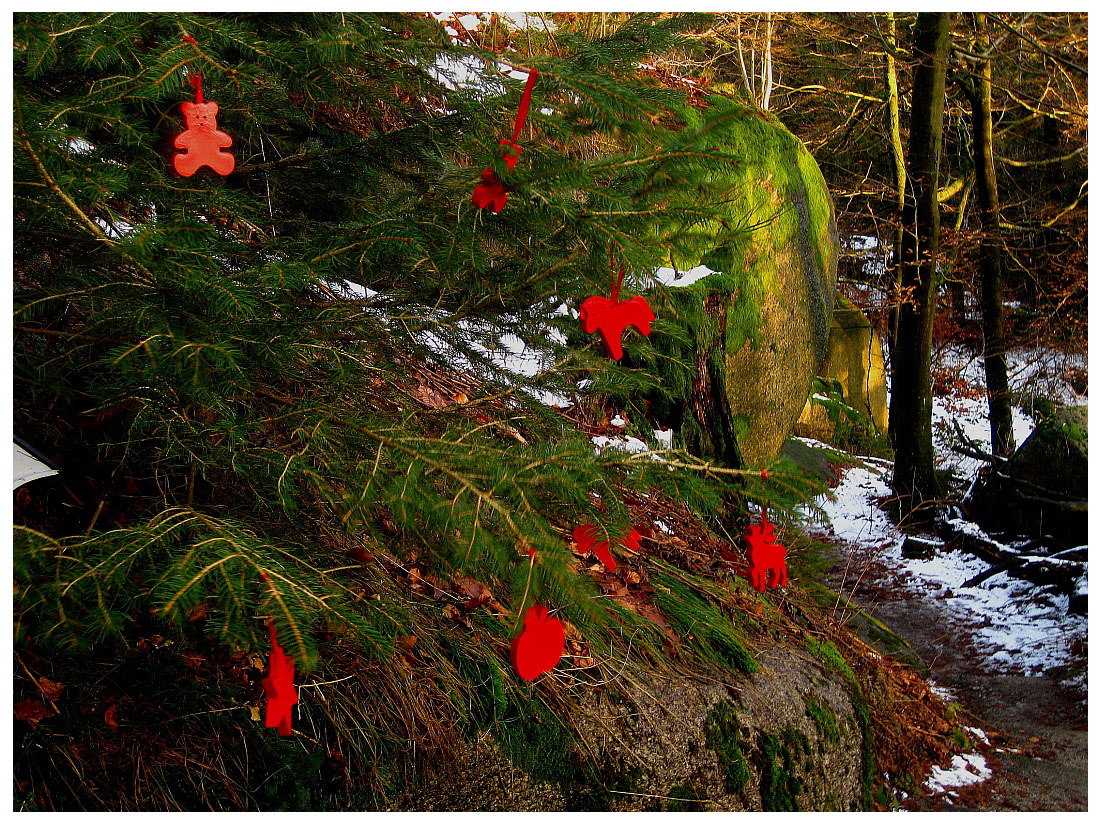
<point>1042,490</point>
<point>766,327</point>
<point>855,361</point>
<point>788,737</point>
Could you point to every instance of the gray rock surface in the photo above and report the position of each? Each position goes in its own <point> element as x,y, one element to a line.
<point>656,744</point>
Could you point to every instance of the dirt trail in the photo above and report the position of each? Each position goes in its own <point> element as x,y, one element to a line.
<point>1041,725</point>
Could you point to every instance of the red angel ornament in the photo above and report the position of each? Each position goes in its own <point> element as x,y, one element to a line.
<point>538,647</point>
<point>767,559</point>
<point>490,193</point>
<point>202,143</point>
<point>279,687</point>
<point>585,536</point>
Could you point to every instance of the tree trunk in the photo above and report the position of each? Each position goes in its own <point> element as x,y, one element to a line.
<point>899,168</point>
<point>911,400</point>
<point>990,254</point>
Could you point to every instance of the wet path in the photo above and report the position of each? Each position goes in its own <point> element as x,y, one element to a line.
<point>1038,724</point>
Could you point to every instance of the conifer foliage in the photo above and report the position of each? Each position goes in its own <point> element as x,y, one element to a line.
<point>225,368</point>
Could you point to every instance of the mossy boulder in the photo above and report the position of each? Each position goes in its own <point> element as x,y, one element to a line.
<point>1043,488</point>
<point>759,325</point>
<point>786,737</point>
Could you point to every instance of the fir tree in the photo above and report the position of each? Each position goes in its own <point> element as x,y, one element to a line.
<point>226,369</point>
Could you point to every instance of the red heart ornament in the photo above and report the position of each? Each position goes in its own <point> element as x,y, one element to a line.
<point>538,647</point>
<point>490,192</point>
<point>611,318</point>
<point>767,559</point>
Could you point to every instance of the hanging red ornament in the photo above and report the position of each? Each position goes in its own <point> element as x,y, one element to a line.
<point>202,143</point>
<point>538,648</point>
<point>611,317</point>
<point>585,536</point>
<point>279,687</point>
<point>767,559</point>
<point>490,193</point>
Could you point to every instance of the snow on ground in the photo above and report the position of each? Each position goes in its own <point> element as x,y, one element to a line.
<point>1016,626</point>
<point>669,276</point>
<point>623,442</point>
<point>965,769</point>
<point>1031,373</point>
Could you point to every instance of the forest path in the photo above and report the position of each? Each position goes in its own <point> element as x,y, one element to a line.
<point>1038,729</point>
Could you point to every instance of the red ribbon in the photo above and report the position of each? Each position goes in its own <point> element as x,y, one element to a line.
<point>763,506</point>
<point>521,117</point>
<point>615,283</point>
<point>196,78</point>
<point>524,104</point>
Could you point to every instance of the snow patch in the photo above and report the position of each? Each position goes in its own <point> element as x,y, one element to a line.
<point>1016,626</point>
<point>627,442</point>
<point>669,276</point>
<point>965,769</point>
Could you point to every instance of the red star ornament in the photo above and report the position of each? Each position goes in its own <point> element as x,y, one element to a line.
<point>279,687</point>
<point>611,318</point>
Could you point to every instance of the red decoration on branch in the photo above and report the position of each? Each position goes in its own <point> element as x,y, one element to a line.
<point>490,193</point>
<point>279,687</point>
<point>611,317</point>
<point>538,648</point>
<point>767,559</point>
<point>202,142</point>
<point>585,536</point>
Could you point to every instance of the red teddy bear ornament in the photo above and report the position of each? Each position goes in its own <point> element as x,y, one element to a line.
<point>585,536</point>
<point>611,318</point>
<point>202,143</point>
<point>767,559</point>
<point>538,648</point>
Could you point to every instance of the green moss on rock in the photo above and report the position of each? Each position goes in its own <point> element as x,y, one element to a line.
<point>724,736</point>
<point>777,277</point>
<point>825,722</point>
<point>779,781</point>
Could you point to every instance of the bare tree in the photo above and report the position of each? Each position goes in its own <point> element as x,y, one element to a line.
<point>911,399</point>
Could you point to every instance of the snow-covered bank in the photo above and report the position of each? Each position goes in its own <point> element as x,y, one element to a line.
<point>1015,625</point>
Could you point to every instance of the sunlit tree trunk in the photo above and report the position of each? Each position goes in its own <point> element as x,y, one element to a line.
<point>911,400</point>
<point>989,252</point>
<point>898,153</point>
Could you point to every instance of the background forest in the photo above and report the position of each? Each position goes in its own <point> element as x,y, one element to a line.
<point>329,398</point>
